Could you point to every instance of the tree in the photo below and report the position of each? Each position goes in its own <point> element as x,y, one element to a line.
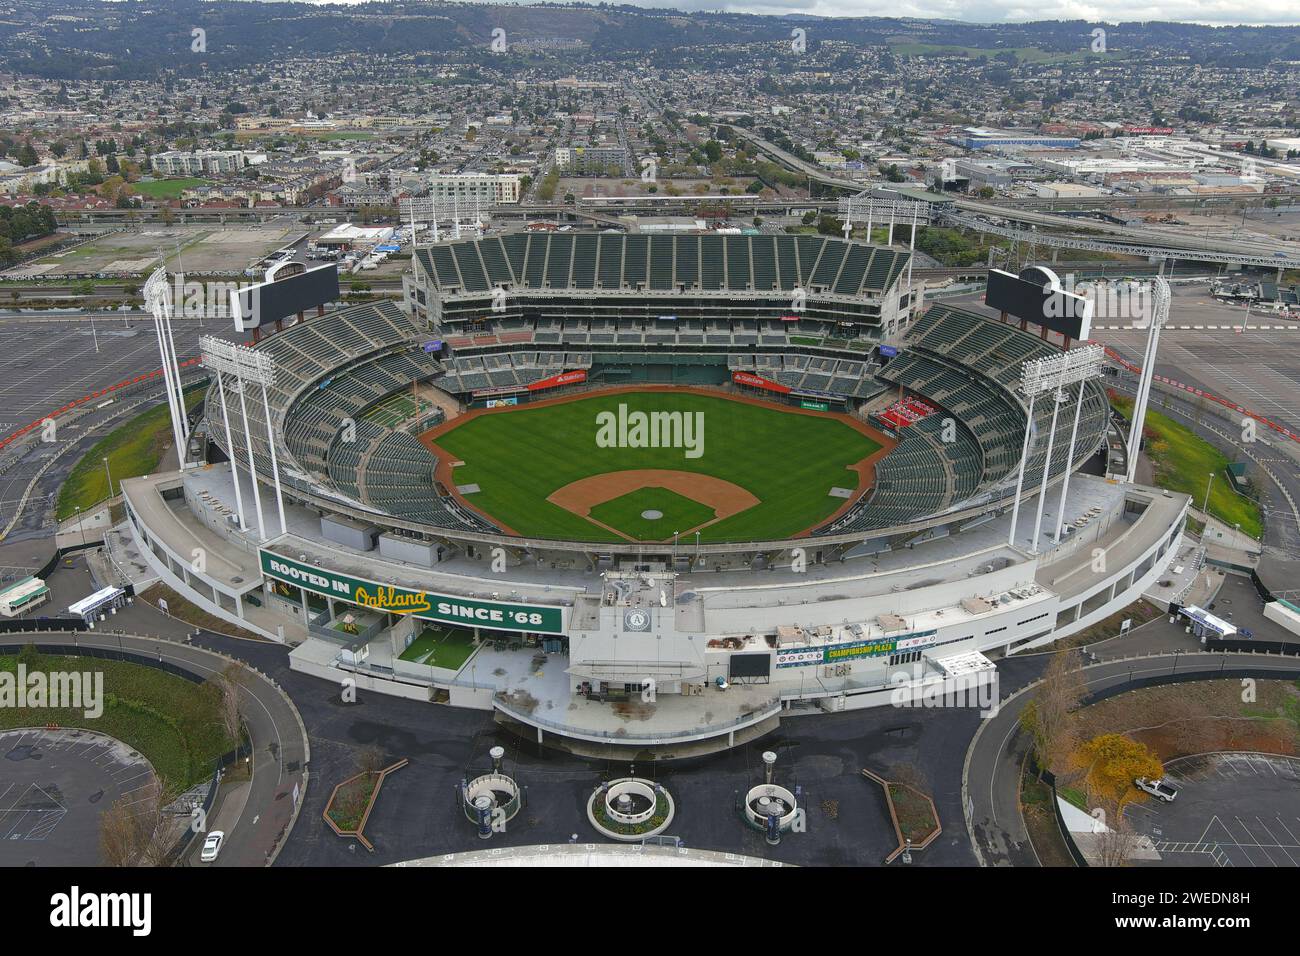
<point>132,832</point>
<point>228,682</point>
<point>1110,763</point>
<point>1048,717</point>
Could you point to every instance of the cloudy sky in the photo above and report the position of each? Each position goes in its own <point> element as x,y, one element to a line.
<point>1216,12</point>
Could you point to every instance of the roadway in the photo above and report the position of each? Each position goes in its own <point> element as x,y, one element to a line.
<point>991,777</point>
<point>256,827</point>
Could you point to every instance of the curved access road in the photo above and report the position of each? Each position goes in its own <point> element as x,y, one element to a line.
<point>990,778</point>
<point>257,827</point>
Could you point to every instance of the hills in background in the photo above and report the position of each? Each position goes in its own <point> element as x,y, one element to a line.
<point>87,39</point>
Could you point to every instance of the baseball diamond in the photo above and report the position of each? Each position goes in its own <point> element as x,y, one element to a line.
<point>763,471</point>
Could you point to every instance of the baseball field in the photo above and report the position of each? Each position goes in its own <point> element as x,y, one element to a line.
<point>641,464</point>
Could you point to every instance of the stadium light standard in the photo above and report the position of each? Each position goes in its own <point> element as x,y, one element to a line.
<point>1058,399</point>
<point>1037,377</point>
<point>1160,314</point>
<point>157,296</point>
<point>249,367</point>
<point>225,417</point>
<point>1205,508</point>
<point>1086,363</point>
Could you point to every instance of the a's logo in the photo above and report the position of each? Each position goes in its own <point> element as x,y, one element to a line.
<point>393,600</point>
<point>636,619</point>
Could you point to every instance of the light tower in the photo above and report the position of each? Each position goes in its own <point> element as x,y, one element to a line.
<point>1159,315</point>
<point>248,367</point>
<point>157,297</point>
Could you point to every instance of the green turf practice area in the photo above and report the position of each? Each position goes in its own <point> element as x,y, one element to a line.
<point>440,646</point>
<point>166,188</point>
<point>788,461</point>
<point>652,514</point>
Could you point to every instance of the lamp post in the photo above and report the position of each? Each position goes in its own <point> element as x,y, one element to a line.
<point>1205,508</point>
<point>109,473</point>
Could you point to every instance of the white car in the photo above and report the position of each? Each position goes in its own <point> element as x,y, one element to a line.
<point>1157,788</point>
<point>212,846</point>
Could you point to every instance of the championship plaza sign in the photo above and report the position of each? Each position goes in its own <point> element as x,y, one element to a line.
<point>426,605</point>
<point>853,650</point>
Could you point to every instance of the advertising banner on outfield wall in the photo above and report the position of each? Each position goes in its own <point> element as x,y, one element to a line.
<point>426,605</point>
<point>555,381</point>
<point>753,381</point>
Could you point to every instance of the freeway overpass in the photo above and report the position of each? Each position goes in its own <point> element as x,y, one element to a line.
<point>1196,251</point>
<point>1135,234</point>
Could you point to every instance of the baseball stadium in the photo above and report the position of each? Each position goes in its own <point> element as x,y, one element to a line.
<point>657,492</point>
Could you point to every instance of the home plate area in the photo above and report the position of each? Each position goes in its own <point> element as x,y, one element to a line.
<point>653,504</point>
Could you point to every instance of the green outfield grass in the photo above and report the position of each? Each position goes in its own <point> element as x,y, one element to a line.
<point>790,462</point>
<point>440,646</point>
<point>679,514</point>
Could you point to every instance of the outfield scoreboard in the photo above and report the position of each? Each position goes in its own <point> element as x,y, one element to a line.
<point>279,298</point>
<point>1036,296</point>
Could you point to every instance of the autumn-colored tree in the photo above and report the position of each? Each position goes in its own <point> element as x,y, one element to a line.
<point>1110,763</point>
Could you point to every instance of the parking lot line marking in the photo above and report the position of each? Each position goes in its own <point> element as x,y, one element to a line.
<point>1280,846</point>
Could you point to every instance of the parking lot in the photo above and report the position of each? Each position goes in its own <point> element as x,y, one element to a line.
<point>54,784</point>
<point>1231,810</point>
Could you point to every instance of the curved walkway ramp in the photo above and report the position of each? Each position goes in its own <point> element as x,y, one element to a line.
<point>281,751</point>
<point>991,775</point>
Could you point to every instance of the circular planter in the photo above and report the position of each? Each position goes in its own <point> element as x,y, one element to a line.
<point>630,809</point>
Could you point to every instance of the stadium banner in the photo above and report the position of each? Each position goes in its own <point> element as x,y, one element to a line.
<point>426,605</point>
<point>555,381</point>
<point>753,381</point>
<point>852,650</point>
<point>501,402</point>
<point>815,406</point>
<point>888,351</point>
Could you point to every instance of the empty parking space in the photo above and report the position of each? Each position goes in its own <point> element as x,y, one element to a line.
<point>54,784</point>
<point>1231,810</point>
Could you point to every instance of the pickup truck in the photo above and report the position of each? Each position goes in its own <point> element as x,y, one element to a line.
<point>1157,788</point>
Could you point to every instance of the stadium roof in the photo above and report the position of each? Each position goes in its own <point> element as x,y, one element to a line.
<point>663,264</point>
